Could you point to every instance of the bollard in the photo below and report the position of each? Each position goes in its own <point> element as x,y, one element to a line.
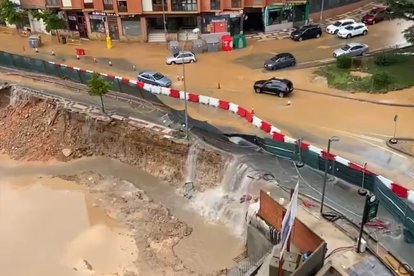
<point>37,50</point>
<point>218,86</point>
<point>252,111</point>
<point>110,63</point>
<point>289,103</point>
<point>94,60</point>
<point>52,52</point>
<point>134,68</point>
<point>77,57</point>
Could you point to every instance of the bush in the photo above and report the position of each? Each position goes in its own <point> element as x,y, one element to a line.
<point>344,62</point>
<point>381,80</point>
<point>388,59</point>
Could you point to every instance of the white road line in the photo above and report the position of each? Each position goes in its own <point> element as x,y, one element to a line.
<point>410,174</point>
<point>383,148</point>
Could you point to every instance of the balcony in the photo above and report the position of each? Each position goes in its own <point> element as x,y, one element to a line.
<point>122,6</point>
<point>52,3</point>
<point>108,6</point>
<point>185,7</point>
<point>159,7</point>
<point>236,4</point>
<point>215,5</point>
<point>88,5</point>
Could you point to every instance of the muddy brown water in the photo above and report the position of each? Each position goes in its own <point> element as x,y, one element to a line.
<point>47,223</point>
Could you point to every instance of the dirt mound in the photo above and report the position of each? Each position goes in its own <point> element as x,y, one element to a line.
<point>38,130</point>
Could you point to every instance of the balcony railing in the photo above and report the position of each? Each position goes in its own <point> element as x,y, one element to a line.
<point>236,3</point>
<point>158,7</point>
<point>88,5</point>
<point>122,6</point>
<point>215,5</point>
<point>52,3</point>
<point>185,7</point>
<point>108,7</point>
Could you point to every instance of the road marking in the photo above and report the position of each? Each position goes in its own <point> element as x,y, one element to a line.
<point>410,174</point>
<point>364,139</point>
<point>324,47</point>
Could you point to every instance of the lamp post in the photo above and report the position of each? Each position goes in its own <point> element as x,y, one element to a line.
<point>321,14</point>
<point>185,102</point>
<point>332,139</point>
<point>164,19</point>
<point>363,175</point>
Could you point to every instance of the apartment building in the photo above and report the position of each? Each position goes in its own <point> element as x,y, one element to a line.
<point>151,20</point>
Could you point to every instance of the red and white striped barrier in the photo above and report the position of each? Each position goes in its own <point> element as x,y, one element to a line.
<point>277,135</point>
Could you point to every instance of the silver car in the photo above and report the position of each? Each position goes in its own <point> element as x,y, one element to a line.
<point>154,78</point>
<point>351,49</point>
<point>180,57</point>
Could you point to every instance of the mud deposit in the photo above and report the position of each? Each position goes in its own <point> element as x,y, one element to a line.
<point>144,224</point>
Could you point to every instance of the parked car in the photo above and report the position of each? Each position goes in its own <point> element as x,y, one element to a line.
<point>351,49</point>
<point>279,61</point>
<point>182,56</point>
<point>154,78</point>
<point>375,15</point>
<point>306,32</point>
<point>335,27</point>
<point>353,30</point>
<point>280,87</point>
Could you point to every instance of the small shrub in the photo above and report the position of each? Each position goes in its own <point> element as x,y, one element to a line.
<point>344,62</point>
<point>388,59</point>
<point>381,80</point>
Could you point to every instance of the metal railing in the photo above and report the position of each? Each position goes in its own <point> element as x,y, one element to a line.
<point>185,7</point>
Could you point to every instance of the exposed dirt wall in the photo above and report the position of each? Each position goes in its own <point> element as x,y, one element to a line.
<point>38,130</point>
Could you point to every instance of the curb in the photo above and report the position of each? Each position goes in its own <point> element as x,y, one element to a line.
<point>250,117</point>
<point>394,146</point>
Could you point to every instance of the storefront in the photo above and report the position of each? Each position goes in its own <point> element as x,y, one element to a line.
<point>283,16</point>
<point>132,28</point>
<point>253,20</point>
<point>100,24</point>
<point>211,23</point>
<point>76,22</point>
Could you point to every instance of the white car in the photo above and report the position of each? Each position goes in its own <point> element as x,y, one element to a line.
<point>335,27</point>
<point>351,49</point>
<point>353,30</point>
<point>181,57</point>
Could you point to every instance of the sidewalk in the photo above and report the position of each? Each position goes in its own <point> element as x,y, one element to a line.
<point>356,14</point>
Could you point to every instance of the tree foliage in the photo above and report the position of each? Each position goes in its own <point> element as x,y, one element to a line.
<point>11,13</point>
<point>50,18</point>
<point>403,9</point>
<point>98,87</point>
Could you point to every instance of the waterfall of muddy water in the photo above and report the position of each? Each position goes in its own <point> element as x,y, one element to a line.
<point>191,163</point>
<point>210,247</point>
<point>222,204</point>
<point>48,227</point>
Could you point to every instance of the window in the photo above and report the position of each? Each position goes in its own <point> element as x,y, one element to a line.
<point>97,23</point>
<point>131,26</point>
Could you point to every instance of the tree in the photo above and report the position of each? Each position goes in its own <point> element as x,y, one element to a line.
<point>403,9</point>
<point>11,13</point>
<point>53,22</point>
<point>98,87</point>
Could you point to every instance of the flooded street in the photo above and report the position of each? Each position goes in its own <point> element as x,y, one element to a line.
<point>51,225</point>
<point>48,227</point>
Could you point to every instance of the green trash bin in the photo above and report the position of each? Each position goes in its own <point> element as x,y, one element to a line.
<point>239,41</point>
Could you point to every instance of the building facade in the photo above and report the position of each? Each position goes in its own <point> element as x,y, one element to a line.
<point>158,20</point>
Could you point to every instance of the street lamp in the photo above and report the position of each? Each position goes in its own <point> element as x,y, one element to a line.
<point>185,102</point>
<point>332,139</point>
<point>321,14</point>
<point>164,19</point>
